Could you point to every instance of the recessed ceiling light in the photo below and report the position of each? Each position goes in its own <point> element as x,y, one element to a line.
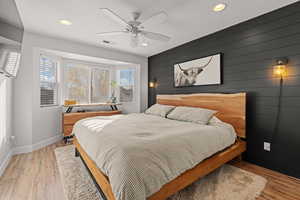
<point>144,44</point>
<point>65,22</point>
<point>219,7</point>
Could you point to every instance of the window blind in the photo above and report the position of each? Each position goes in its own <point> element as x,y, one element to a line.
<point>12,63</point>
<point>48,81</point>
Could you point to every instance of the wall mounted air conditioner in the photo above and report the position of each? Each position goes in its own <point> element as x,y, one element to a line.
<point>9,60</point>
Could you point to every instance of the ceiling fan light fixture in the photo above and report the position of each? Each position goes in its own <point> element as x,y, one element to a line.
<point>144,44</point>
<point>219,7</point>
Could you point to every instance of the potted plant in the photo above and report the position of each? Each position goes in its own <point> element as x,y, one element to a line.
<point>113,98</point>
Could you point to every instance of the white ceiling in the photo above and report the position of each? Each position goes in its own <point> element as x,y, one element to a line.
<point>187,19</point>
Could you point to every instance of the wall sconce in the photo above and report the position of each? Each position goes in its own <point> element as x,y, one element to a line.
<point>153,83</point>
<point>280,68</point>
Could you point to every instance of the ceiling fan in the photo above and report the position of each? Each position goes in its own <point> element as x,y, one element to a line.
<point>135,27</point>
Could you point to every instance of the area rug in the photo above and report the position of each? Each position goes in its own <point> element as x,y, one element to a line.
<point>226,183</point>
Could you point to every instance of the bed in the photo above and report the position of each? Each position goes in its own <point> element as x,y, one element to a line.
<point>130,159</point>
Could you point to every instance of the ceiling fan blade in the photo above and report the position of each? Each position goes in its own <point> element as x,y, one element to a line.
<point>112,33</point>
<point>155,36</point>
<point>155,19</point>
<point>114,16</point>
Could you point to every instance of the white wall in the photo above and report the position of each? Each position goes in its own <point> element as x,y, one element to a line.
<point>5,140</point>
<point>37,126</point>
<point>11,32</point>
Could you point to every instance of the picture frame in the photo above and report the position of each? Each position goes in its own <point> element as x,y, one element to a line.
<point>199,72</point>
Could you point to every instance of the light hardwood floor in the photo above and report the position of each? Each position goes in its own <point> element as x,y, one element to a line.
<point>35,176</point>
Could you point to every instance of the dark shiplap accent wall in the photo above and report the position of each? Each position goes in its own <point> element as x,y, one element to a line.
<point>249,51</point>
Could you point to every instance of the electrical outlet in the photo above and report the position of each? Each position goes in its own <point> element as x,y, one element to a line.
<point>267,146</point>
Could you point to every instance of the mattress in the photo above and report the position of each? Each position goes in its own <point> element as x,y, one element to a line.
<point>139,153</point>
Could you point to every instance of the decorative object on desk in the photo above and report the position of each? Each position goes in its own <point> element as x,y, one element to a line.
<point>113,98</point>
<point>70,102</point>
<point>203,71</point>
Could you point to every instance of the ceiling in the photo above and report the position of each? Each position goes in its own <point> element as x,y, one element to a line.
<point>187,19</point>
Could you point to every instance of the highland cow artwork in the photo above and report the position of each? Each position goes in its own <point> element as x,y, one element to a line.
<point>203,71</point>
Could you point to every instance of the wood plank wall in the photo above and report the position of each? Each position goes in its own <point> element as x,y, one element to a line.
<point>249,52</point>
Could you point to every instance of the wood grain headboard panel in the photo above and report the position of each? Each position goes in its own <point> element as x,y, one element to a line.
<point>231,107</point>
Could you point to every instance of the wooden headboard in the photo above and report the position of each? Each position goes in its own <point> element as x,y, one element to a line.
<point>231,107</point>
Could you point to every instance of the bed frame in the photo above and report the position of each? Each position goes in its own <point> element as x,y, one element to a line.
<point>231,109</point>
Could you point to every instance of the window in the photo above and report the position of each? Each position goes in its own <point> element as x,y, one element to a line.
<point>3,93</point>
<point>48,81</point>
<point>76,78</point>
<point>85,83</point>
<point>100,85</point>
<point>12,63</point>
<point>126,84</point>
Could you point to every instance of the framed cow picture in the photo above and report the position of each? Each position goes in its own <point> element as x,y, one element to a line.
<point>202,71</point>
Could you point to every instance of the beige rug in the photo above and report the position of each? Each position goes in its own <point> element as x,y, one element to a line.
<point>226,183</point>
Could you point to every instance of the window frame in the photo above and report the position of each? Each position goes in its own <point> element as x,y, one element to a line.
<point>57,77</point>
<point>135,83</point>
<point>90,66</point>
<point>110,71</point>
<point>3,107</point>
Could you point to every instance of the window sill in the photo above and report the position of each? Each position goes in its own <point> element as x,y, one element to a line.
<point>51,106</point>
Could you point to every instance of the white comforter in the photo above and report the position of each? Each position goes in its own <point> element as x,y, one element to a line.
<point>140,153</point>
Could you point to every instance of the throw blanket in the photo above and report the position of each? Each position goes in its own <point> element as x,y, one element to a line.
<point>140,153</point>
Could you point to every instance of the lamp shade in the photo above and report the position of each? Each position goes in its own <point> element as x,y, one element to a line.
<point>280,68</point>
<point>153,83</point>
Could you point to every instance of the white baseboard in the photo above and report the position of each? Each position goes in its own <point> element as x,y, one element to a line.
<point>5,162</point>
<point>36,146</point>
<point>46,142</point>
<point>22,149</point>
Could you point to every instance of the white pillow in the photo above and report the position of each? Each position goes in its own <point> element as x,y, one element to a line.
<point>159,110</point>
<point>192,114</point>
<point>214,121</point>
